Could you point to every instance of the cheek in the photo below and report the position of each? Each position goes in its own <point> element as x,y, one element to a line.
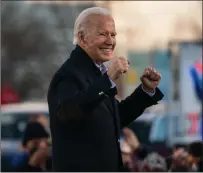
<point>93,43</point>
<point>114,41</point>
<point>98,41</point>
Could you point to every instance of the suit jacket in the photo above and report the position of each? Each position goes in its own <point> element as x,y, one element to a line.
<point>85,117</point>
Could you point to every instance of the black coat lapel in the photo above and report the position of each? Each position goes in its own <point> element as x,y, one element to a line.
<point>111,97</point>
<point>83,62</point>
<point>85,65</point>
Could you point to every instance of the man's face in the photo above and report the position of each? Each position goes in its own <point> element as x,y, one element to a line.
<point>100,40</point>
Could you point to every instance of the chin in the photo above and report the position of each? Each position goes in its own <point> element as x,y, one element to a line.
<point>106,58</point>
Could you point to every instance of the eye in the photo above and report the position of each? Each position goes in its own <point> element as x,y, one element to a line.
<point>113,35</point>
<point>102,34</point>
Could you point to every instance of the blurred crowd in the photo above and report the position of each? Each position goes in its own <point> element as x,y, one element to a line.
<point>35,34</point>
<point>35,153</point>
<point>139,158</point>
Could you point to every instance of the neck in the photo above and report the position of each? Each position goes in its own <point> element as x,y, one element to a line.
<point>98,62</point>
<point>93,59</point>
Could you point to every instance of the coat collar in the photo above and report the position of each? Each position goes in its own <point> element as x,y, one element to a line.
<point>86,65</point>
<point>82,60</point>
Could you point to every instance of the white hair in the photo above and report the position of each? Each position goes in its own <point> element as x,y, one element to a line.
<point>81,20</point>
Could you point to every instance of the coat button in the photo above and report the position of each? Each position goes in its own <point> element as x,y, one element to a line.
<point>118,140</point>
<point>101,93</point>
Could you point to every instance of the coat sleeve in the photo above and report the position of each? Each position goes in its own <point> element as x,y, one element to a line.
<point>74,102</point>
<point>135,104</point>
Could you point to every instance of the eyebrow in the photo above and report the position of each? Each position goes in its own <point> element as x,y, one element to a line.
<point>102,30</point>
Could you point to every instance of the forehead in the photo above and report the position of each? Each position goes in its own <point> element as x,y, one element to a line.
<point>102,22</point>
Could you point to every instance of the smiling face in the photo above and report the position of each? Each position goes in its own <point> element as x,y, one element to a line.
<point>99,40</point>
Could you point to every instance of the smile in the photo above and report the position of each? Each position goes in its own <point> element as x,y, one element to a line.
<point>106,50</point>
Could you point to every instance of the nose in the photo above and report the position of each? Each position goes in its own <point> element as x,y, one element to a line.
<point>109,40</point>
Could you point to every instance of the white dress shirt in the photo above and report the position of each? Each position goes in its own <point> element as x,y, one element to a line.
<point>104,69</point>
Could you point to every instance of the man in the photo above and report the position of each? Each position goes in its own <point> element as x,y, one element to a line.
<point>85,118</point>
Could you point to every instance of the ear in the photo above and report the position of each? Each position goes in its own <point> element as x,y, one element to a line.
<point>81,38</point>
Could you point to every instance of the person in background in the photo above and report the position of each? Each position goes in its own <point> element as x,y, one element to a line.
<point>178,147</point>
<point>195,156</point>
<point>153,163</point>
<point>131,138</point>
<point>35,152</point>
<point>188,159</point>
<point>178,161</point>
<point>133,152</point>
<point>128,144</point>
<point>177,151</point>
<point>126,152</point>
<point>42,119</point>
<point>139,156</point>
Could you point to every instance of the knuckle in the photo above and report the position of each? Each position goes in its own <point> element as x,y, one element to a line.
<point>117,62</point>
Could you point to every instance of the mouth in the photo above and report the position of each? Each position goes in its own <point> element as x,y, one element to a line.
<point>106,50</point>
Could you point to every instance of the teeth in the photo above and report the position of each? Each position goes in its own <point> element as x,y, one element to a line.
<point>106,50</point>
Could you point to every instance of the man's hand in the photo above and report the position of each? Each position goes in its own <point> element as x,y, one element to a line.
<point>150,79</point>
<point>117,66</point>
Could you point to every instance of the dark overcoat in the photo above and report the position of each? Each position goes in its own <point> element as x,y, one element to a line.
<point>85,117</point>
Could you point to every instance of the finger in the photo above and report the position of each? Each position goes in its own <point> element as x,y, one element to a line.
<point>126,131</point>
<point>154,70</point>
<point>155,76</point>
<point>149,68</point>
<point>126,67</point>
<point>152,76</point>
<point>147,82</point>
<point>124,64</point>
<point>124,70</point>
<point>123,60</point>
<point>146,73</point>
<point>158,76</point>
<point>123,67</point>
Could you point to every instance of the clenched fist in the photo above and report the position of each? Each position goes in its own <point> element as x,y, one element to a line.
<point>150,79</point>
<point>117,66</point>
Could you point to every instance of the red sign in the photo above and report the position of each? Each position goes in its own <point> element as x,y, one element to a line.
<point>194,123</point>
<point>8,95</point>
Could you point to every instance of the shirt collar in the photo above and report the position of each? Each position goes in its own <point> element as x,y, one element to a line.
<point>101,67</point>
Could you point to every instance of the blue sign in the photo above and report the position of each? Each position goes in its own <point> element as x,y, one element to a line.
<point>196,75</point>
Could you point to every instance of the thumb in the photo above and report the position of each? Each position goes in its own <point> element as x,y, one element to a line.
<point>145,81</point>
